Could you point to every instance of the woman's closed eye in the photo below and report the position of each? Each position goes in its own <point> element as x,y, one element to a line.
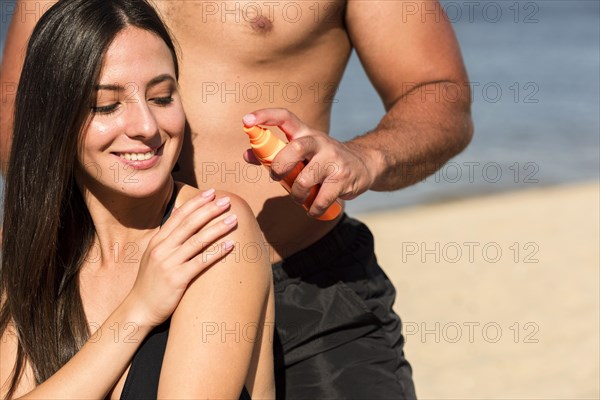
<point>111,108</point>
<point>162,101</point>
<point>106,110</point>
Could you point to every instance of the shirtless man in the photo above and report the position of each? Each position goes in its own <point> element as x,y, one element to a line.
<point>337,334</point>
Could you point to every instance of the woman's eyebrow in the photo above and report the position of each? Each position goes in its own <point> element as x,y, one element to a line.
<point>159,79</point>
<point>153,82</point>
<point>110,87</point>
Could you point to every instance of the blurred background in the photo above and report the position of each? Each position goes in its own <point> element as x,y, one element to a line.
<point>534,72</point>
<point>496,257</point>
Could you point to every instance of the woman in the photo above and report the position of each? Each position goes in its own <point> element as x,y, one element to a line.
<point>95,273</point>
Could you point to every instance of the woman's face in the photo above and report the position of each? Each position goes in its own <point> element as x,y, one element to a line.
<point>137,122</point>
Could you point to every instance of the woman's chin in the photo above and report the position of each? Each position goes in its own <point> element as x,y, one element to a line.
<point>144,189</point>
<point>137,187</point>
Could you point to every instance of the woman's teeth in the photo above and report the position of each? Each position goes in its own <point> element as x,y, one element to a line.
<point>137,156</point>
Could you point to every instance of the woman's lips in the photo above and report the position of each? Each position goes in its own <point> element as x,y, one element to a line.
<point>137,156</point>
<point>140,160</point>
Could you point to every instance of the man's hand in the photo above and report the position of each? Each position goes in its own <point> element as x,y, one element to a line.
<point>344,170</point>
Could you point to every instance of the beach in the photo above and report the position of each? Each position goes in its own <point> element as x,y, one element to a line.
<point>498,286</point>
<point>499,295</point>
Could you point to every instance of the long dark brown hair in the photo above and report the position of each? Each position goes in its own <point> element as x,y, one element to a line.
<point>47,227</point>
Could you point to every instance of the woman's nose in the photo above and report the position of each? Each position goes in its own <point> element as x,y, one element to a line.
<point>140,121</point>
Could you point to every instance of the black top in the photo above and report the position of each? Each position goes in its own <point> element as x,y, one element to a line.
<point>142,380</point>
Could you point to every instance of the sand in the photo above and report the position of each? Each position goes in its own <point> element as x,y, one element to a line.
<point>499,295</point>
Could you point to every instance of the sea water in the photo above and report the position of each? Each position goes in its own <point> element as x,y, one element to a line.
<point>534,70</point>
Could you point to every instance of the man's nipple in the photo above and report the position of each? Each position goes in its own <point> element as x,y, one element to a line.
<point>261,24</point>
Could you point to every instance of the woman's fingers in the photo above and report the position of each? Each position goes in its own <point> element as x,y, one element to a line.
<point>210,256</point>
<point>189,222</point>
<point>179,214</point>
<point>190,241</point>
<point>196,221</point>
<point>202,241</point>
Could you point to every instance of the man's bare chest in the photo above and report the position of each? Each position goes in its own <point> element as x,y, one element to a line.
<point>231,24</point>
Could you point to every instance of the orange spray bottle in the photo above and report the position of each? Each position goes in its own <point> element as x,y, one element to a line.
<point>265,146</point>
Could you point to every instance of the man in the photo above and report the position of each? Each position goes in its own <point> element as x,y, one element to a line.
<point>337,334</point>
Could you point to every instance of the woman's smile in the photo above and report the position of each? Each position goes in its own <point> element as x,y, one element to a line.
<point>136,119</point>
<point>140,158</point>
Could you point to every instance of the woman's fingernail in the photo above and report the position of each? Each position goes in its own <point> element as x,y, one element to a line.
<point>208,193</point>
<point>223,201</point>
<point>231,219</point>
<point>228,245</point>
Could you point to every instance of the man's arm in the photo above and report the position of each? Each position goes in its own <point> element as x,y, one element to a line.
<point>414,62</point>
<point>412,57</point>
<point>25,16</point>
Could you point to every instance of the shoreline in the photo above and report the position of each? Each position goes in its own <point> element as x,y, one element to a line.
<point>455,197</point>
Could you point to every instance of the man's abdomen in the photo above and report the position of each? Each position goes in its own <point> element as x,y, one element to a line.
<point>228,69</point>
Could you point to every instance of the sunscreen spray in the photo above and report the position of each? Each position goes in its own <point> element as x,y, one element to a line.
<point>265,146</point>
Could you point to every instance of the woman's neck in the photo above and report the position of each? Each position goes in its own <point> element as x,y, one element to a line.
<point>124,225</point>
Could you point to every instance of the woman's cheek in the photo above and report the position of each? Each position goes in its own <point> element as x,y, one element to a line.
<point>100,130</point>
<point>177,123</point>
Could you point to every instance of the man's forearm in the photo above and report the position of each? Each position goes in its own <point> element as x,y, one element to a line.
<point>420,132</point>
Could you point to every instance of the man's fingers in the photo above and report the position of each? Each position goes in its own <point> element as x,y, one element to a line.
<point>300,149</point>
<point>250,157</point>
<point>314,173</point>
<point>287,121</point>
<point>326,196</point>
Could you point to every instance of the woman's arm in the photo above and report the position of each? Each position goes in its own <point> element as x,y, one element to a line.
<point>175,255</point>
<point>221,332</point>
<point>92,372</point>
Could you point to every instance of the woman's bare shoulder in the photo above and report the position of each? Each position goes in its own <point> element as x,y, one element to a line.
<point>238,204</point>
<point>232,294</point>
<point>251,248</point>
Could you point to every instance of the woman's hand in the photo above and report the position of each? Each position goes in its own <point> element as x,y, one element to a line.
<point>226,315</point>
<point>190,241</point>
<point>187,244</point>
